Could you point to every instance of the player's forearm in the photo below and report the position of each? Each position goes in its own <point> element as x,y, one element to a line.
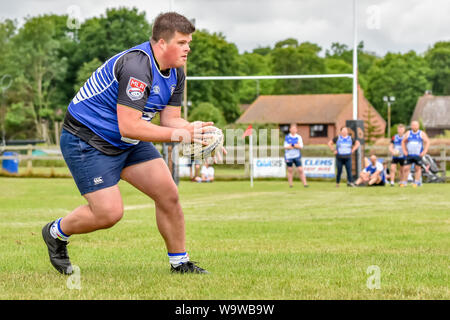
<point>175,123</point>
<point>356,146</point>
<point>426,146</point>
<point>146,131</point>
<point>404,147</point>
<point>330,145</point>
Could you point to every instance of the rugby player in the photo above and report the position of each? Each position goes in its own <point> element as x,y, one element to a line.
<point>398,158</point>
<point>415,145</point>
<point>107,136</point>
<point>293,143</point>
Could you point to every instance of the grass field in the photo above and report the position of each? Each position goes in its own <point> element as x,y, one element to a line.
<point>269,242</point>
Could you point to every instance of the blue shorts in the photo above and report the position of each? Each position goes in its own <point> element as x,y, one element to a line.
<point>93,170</point>
<point>297,161</point>
<point>414,159</point>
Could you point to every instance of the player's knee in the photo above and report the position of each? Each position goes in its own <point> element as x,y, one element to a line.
<point>168,199</point>
<point>109,215</point>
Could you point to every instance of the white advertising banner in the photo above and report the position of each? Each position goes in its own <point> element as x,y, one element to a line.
<point>269,167</point>
<point>183,166</point>
<point>319,167</point>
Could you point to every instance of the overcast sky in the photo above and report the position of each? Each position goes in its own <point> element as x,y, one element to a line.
<point>384,25</point>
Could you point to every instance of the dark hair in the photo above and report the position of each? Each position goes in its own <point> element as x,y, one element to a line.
<point>166,24</point>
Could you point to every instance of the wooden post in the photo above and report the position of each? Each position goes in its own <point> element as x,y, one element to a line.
<point>29,161</point>
<point>57,132</point>
<point>444,161</point>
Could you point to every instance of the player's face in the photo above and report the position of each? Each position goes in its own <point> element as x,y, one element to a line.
<point>344,132</point>
<point>293,129</point>
<point>415,126</point>
<point>373,159</point>
<point>177,50</point>
<point>401,130</point>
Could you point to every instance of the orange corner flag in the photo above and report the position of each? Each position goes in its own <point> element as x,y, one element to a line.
<point>248,131</point>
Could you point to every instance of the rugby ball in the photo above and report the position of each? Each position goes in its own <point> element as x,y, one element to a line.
<point>197,151</point>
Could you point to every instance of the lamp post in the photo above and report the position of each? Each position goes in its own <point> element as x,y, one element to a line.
<point>389,100</point>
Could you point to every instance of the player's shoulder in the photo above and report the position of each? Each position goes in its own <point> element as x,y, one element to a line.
<point>136,59</point>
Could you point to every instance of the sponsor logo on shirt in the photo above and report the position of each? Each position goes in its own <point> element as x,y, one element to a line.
<point>156,89</point>
<point>135,89</point>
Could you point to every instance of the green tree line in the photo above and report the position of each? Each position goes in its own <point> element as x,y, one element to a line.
<point>43,63</point>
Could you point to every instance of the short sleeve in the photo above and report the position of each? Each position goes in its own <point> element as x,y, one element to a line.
<point>300,140</point>
<point>335,139</point>
<point>134,75</point>
<point>177,96</point>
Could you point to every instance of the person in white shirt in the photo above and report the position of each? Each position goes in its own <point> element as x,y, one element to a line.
<point>207,173</point>
<point>373,174</point>
<point>292,155</point>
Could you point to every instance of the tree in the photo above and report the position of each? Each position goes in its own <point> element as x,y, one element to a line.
<point>7,30</point>
<point>336,85</point>
<point>39,67</point>
<point>404,76</point>
<point>291,58</point>
<point>85,72</point>
<point>105,36</point>
<point>208,112</point>
<point>252,64</point>
<point>438,58</point>
<point>212,55</point>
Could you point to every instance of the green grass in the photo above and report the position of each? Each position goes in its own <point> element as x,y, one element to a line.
<point>269,242</point>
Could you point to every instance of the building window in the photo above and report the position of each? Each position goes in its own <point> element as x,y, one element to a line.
<point>318,130</point>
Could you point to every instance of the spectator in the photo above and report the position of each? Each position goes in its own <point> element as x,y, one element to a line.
<point>207,173</point>
<point>345,146</point>
<point>373,175</point>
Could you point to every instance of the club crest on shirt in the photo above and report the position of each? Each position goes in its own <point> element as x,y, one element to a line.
<point>156,89</point>
<point>135,89</point>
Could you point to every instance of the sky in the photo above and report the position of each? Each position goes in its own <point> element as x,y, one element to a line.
<point>383,25</point>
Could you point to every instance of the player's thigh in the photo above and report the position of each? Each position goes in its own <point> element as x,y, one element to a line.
<point>393,167</point>
<point>106,203</point>
<point>152,178</point>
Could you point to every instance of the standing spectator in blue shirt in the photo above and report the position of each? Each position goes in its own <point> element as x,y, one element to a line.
<point>292,144</point>
<point>345,146</point>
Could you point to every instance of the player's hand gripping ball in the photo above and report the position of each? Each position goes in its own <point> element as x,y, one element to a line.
<point>198,151</point>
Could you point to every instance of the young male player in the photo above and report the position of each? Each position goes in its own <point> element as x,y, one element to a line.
<point>373,174</point>
<point>293,143</point>
<point>107,136</point>
<point>415,145</point>
<point>395,148</point>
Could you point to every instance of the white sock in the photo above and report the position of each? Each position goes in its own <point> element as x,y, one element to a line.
<point>177,259</point>
<point>56,232</point>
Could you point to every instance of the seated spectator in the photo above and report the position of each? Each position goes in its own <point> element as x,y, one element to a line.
<point>207,173</point>
<point>373,174</point>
